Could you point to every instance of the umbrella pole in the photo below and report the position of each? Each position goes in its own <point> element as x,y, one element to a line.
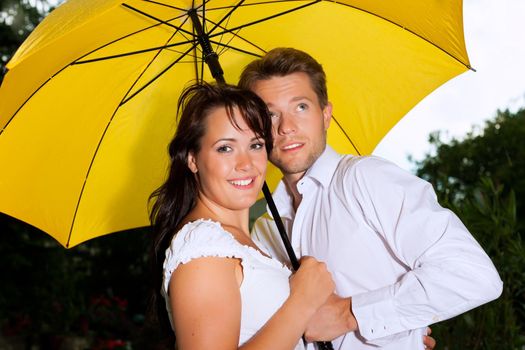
<point>212,60</point>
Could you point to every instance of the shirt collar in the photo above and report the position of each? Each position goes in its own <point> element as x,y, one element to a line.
<point>322,171</point>
<point>324,167</point>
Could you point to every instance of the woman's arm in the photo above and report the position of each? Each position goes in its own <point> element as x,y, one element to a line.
<point>206,305</point>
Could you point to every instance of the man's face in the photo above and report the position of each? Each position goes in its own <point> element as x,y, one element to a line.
<point>299,122</point>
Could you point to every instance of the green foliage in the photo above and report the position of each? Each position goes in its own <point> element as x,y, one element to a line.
<point>498,153</point>
<point>481,179</point>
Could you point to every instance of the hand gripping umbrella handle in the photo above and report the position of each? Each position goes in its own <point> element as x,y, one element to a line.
<point>321,345</point>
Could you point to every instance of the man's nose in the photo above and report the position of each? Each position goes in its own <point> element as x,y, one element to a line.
<point>286,125</point>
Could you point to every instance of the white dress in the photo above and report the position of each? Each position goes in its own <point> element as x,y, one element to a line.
<point>265,284</point>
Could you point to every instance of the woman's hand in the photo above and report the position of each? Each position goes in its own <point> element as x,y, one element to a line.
<point>311,285</point>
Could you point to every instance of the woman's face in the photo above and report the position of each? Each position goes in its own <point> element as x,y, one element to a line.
<point>231,164</point>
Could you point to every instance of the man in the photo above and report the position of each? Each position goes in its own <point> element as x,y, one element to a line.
<point>399,260</point>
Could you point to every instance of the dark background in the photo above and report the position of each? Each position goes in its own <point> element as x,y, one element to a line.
<point>94,296</point>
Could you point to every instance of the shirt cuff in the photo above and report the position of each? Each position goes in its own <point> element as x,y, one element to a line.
<point>377,318</point>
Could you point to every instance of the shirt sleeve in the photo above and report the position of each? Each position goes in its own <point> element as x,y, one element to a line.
<point>448,272</point>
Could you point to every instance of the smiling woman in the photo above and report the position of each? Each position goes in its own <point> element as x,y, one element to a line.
<point>220,290</point>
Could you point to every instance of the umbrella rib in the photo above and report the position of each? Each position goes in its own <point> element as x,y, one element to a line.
<point>235,48</point>
<point>220,51</point>
<point>266,18</point>
<point>106,129</point>
<point>156,19</point>
<point>256,4</point>
<point>131,53</point>
<point>166,5</point>
<point>158,75</point>
<point>178,28</point>
<point>227,16</point>
<point>79,60</point>
<point>72,63</point>
<point>241,38</point>
<point>29,98</point>
<point>468,66</point>
<point>347,136</point>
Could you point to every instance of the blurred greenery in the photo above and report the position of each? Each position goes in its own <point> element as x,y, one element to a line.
<point>98,290</point>
<point>17,19</point>
<point>481,178</point>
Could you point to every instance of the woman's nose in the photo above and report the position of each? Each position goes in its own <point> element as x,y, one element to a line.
<point>244,161</point>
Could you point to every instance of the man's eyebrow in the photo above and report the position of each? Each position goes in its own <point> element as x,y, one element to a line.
<point>294,99</point>
<point>298,98</point>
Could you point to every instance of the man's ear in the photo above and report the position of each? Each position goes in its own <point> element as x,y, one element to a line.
<point>192,163</point>
<point>327,115</point>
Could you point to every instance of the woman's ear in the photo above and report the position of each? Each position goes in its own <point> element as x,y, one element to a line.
<point>192,163</point>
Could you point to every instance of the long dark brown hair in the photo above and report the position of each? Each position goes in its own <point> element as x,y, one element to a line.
<point>177,196</point>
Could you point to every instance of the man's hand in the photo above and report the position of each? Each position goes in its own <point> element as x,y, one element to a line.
<point>331,320</point>
<point>428,341</point>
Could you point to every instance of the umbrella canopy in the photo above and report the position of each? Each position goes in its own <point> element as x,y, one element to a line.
<point>88,104</point>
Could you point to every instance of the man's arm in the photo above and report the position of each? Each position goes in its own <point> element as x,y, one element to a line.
<point>336,318</point>
<point>448,273</point>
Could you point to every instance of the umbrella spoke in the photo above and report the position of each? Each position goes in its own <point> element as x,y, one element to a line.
<point>124,54</point>
<point>148,66</point>
<point>227,16</point>
<point>184,32</point>
<point>254,4</point>
<point>346,135</point>
<point>158,75</point>
<point>226,46</point>
<point>222,36</point>
<point>157,19</point>
<point>81,60</point>
<point>236,35</point>
<point>166,5</point>
<point>229,30</point>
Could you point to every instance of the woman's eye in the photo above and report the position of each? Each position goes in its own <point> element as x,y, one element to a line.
<point>224,149</point>
<point>258,145</point>
<point>273,114</point>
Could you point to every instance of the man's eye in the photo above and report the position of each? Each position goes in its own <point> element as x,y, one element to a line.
<point>302,107</point>
<point>224,149</point>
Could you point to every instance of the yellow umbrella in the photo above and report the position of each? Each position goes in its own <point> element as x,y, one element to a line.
<point>87,106</point>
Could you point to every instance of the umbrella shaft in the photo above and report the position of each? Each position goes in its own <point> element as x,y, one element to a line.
<point>210,57</point>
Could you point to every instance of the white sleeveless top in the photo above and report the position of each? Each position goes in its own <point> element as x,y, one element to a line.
<point>265,284</point>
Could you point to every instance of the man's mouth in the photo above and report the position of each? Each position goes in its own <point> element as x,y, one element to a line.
<point>291,146</point>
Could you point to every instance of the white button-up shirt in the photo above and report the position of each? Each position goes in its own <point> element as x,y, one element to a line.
<point>405,261</point>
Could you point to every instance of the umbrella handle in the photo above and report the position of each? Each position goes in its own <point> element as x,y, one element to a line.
<point>280,227</point>
<point>321,345</point>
